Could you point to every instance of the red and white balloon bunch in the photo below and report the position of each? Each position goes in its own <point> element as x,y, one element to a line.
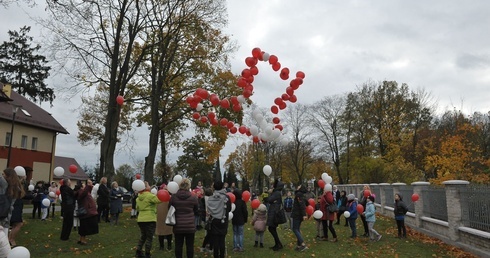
<point>265,131</point>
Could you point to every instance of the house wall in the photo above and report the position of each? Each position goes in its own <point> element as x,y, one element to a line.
<point>39,159</point>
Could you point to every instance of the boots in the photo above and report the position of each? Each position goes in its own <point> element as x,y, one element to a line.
<point>160,241</point>
<point>169,242</point>
<point>139,254</point>
<point>256,244</point>
<point>261,245</point>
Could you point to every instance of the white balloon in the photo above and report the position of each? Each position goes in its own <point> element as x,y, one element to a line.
<point>327,188</point>
<point>259,118</point>
<point>19,252</point>
<point>30,188</point>
<point>328,179</point>
<point>268,131</point>
<point>52,194</point>
<point>267,170</point>
<point>173,187</point>
<point>284,141</point>
<point>324,177</point>
<point>255,112</point>
<point>265,57</point>
<point>233,207</point>
<point>138,185</point>
<point>178,179</point>
<point>46,202</point>
<point>199,107</point>
<point>254,130</point>
<point>318,214</point>
<point>276,133</point>
<point>346,214</point>
<point>20,170</point>
<point>241,99</point>
<point>230,215</point>
<point>154,191</point>
<point>59,171</point>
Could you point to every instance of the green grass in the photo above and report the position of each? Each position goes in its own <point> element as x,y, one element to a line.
<point>42,239</point>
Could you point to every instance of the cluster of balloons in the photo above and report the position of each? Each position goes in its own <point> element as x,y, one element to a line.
<point>325,182</point>
<point>269,131</point>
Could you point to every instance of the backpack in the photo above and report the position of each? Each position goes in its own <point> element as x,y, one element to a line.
<point>5,203</point>
<point>219,203</point>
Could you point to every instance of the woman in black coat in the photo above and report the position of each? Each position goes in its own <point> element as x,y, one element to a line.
<point>240,215</point>
<point>68,206</point>
<point>275,202</point>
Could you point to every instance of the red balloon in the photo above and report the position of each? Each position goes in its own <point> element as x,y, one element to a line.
<point>254,70</point>
<point>321,183</point>
<point>274,109</point>
<point>273,59</point>
<point>290,91</point>
<point>233,130</point>
<point>311,201</point>
<point>223,121</point>
<point>204,119</point>
<point>255,204</point>
<point>211,115</point>
<point>293,99</point>
<point>225,103</point>
<point>232,197</point>
<point>300,74</point>
<point>242,129</point>
<point>213,121</point>
<point>58,192</point>
<point>246,196</point>
<point>276,66</point>
<point>367,193</point>
<point>242,82</point>
<point>360,208</point>
<point>256,52</point>
<point>279,127</point>
<point>285,96</point>
<point>278,101</point>
<point>250,61</point>
<point>189,99</point>
<point>163,195</point>
<point>230,124</point>
<point>276,120</point>
<point>246,73</point>
<point>415,197</point>
<point>120,100</point>
<point>196,115</point>
<point>237,107</point>
<point>309,210</point>
<point>61,182</point>
<point>73,168</point>
<point>256,139</point>
<point>138,176</point>
<point>247,93</point>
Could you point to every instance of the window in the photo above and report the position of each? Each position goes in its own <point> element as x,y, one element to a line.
<point>7,139</point>
<point>23,143</point>
<point>34,143</point>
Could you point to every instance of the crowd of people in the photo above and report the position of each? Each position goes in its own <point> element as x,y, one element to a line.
<point>210,208</point>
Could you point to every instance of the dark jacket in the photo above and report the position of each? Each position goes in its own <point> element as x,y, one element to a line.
<point>186,207</point>
<point>67,198</point>
<point>240,213</point>
<point>400,208</point>
<point>103,195</point>
<point>299,206</point>
<point>342,203</point>
<point>275,203</point>
<point>84,198</point>
<point>116,200</point>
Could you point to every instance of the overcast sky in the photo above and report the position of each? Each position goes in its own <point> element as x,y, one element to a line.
<point>442,47</point>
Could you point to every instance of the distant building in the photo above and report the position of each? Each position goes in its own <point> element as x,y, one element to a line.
<point>65,163</point>
<point>34,130</point>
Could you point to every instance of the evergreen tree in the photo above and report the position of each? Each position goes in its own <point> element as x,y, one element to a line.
<point>25,70</point>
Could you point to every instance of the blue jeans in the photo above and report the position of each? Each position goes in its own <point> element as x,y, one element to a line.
<point>238,236</point>
<point>352,224</point>
<point>297,232</point>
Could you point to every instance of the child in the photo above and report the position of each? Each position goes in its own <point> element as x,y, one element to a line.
<point>319,225</point>
<point>352,208</point>
<point>341,203</point>
<point>298,214</point>
<point>370,215</point>
<point>288,207</point>
<point>400,211</point>
<point>258,222</point>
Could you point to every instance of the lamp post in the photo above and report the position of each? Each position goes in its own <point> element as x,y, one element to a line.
<point>15,108</point>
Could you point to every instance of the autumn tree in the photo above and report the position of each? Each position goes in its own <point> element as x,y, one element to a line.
<point>195,162</point>
<point>23,68</point>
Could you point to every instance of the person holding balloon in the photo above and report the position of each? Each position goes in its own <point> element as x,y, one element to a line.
<point>53,188</point>
<point>68,206</point>
<point>275,203</point>
<point>400,210</point>
<point>240,215</point>
<point>298,214</point>
<point>328,217</point>
<point>146,204</point>
<point>163,231</point>
<point>351,214</point>
<point>88,221</point>
<point>365,193</point>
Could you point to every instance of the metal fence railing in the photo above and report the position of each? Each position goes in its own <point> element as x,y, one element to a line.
<point>475,206</point>
<point>389,197</point>
<point>406,191</point>
<point>435,202</point>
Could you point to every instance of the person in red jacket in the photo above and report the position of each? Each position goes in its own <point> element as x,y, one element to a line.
<point>328,217</point>
<point>88,221</point>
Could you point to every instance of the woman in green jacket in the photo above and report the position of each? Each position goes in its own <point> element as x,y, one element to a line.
<point>146,205</point>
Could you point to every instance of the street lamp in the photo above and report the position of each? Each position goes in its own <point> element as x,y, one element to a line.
<point>15,108</point>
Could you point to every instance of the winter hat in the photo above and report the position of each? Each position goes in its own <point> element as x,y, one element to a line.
<point>351,197</point>
<point>262,207</point>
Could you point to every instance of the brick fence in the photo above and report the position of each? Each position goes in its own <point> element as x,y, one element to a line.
<point>445,216</point>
